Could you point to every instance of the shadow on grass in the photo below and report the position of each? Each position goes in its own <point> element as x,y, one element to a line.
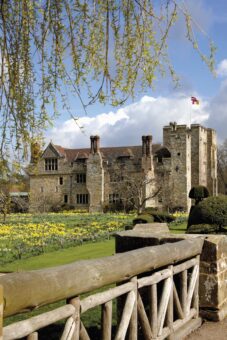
<point>55,331</point>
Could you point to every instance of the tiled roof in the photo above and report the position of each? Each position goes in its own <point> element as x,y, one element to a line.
<point>108,153</point>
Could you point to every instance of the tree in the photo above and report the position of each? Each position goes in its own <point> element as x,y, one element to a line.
<point>135,190</point>
<point>5,202</point>
<point>12,179</point>
<point>51,47</point>
<point>222,168</point>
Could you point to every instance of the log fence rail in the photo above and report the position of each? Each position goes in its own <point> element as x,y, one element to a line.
<point>160,295</point>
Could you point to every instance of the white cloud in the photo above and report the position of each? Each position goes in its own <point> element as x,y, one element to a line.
<point>128,124</point>
<point>222,68</point>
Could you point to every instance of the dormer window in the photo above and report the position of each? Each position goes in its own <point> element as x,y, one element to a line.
<point>51,164</point>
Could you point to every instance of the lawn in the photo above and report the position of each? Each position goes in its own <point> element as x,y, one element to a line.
<point>95,247</point>
<point>37,241</point>
<point>88,250</point>
<point>26,235</point>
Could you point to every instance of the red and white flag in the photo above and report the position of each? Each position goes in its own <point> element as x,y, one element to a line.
<point>194,100</point>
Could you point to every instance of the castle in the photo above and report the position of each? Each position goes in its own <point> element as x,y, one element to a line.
<point>90,178</point>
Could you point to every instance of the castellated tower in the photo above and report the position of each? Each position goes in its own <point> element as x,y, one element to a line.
<point>177,139</point>
<point>95,176</point>
<point>204,158</point>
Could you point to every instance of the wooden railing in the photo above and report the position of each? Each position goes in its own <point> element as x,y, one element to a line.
<point>164,303</point>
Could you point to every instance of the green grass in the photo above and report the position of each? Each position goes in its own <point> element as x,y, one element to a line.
<point>27,235</point>
<point>178,228</point>
<point>91,318</point>
<point>86,251</point>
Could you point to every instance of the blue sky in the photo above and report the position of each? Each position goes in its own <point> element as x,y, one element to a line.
<point>149,111</point>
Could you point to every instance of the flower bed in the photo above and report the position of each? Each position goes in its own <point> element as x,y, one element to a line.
<point>27,235</point>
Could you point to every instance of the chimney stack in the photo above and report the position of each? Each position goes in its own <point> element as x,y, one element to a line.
<point>95,144</point>
<point>149,145</point>
<point>146,145</point>
<point>143,146</point>
<point>92,144</point>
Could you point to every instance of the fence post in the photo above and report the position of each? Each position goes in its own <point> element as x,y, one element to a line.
<point>1,312</point>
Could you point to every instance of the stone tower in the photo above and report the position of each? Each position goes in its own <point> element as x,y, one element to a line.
<point>204,158</point>
<point>95,176</point>
<point>177,139</point>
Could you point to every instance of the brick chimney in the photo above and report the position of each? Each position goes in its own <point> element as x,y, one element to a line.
<point>149,145</point>
<point>92,144</point>
<point>146,145</point>
<point>95,144</point>
<point>143,146</point>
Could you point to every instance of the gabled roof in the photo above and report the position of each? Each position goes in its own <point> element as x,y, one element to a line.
<point>53,151</point>
<point>108,153</point>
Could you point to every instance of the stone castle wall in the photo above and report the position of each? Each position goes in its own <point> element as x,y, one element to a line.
<point>177,139</point>
<point>190,158</point>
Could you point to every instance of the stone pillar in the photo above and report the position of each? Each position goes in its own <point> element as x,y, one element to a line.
<point>95,176</point>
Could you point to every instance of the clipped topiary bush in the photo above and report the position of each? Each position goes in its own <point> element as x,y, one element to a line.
<point>160,216</point>
<point>202,229</point>
<point>143,218</point>
<point>198,193</point>
<point>212,211</point>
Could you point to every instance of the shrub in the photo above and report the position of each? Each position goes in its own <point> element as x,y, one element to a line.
<point>202,229</point>
<point>61,207</point>
<point>212,211</point>
<point>150,210</point>
<point>160,217</point>
<point>198,193</point>
<point>145,218</point>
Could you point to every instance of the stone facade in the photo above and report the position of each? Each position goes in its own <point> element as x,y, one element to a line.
<point>91,178</point>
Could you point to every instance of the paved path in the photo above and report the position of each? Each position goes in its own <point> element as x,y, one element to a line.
<point>210,331</point>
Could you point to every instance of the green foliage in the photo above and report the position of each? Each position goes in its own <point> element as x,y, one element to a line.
<point>203,229</point>
<point>143,218</point>
<point>198,193</point>
<point>161,216</point>
<point>27,235</point>
<point>211,211</point>
<point>51,48</point>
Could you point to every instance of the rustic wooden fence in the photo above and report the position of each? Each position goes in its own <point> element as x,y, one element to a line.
<point>159,286</point>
